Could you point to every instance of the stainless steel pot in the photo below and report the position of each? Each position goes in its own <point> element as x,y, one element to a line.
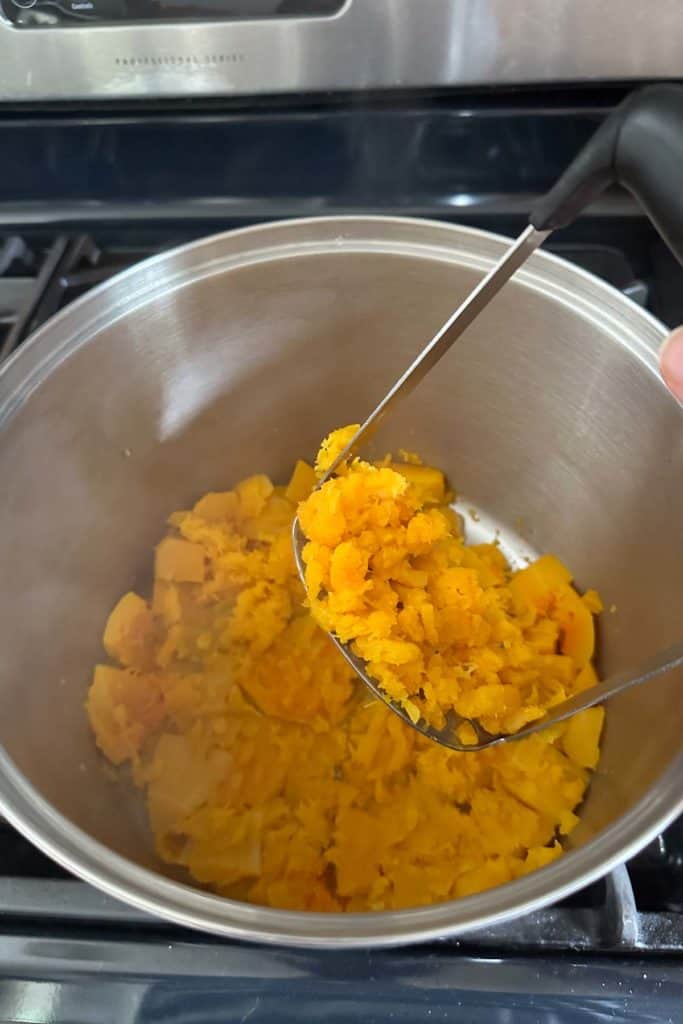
<point>238,353</point>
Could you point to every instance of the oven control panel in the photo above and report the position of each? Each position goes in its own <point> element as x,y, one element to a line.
<point>56,13</point>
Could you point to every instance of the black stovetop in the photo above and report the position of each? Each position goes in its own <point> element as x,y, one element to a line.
<point>83,197</point>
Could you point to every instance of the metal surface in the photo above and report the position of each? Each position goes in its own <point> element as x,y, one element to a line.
<point>612,925</point>
<point>435,349</point>
<point>100,961</point>
<point>199,344</point>
<point>369,44</point>
<point>135,979</point>
<point>608,921</point>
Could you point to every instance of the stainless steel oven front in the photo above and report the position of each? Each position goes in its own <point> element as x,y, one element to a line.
<point>118,49</point>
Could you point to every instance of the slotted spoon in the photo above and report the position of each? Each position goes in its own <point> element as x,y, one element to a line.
<point>630,149</point>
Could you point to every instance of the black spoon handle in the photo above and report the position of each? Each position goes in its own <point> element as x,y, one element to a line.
<point>640,146</point>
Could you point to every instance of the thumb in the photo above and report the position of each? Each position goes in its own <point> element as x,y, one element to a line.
<point>671,362</point>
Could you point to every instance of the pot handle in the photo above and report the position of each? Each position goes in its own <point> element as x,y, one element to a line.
<point>640,146</point>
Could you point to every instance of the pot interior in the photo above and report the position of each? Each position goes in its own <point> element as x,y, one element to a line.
<point>548,414</point>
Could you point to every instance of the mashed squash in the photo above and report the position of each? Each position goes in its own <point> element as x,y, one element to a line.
<point>270,773</point>
<point>442,626</point>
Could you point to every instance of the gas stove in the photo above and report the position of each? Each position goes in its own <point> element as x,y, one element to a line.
<point>83,196</point>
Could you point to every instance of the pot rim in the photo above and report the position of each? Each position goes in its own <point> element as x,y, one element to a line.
<point>74,849</point>
<point>184,905</point>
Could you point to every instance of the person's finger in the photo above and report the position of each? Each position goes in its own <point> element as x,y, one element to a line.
<point>671,362</point>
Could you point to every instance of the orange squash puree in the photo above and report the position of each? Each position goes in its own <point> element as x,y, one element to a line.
<point>442,625</point>
<point>270,773</point>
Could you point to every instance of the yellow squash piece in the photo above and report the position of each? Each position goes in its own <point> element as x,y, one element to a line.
<point>581,739</point>
<point>576,624</point>
<point>301,482</point>
<point>129,632</point>
<point>124,707</point>
<point>179,561</point>
<point>429,483</point>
